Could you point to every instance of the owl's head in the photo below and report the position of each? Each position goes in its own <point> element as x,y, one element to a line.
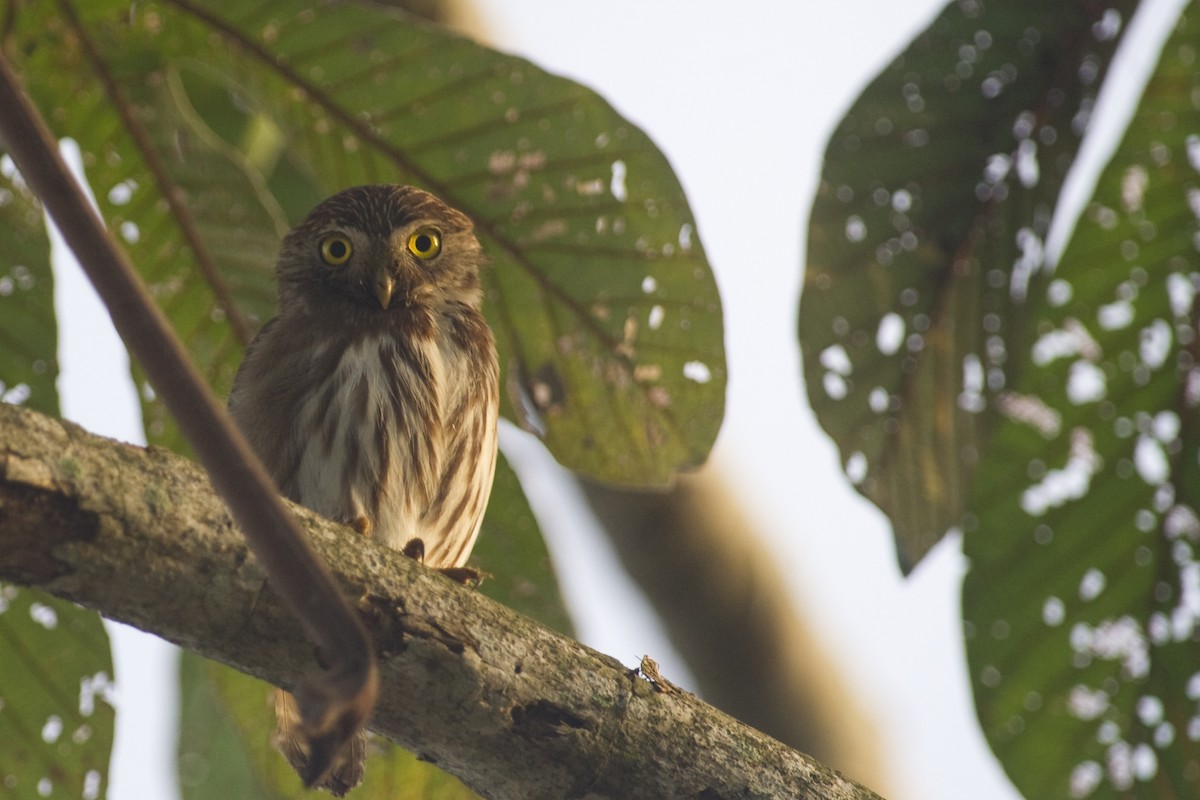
<point>384,247</point>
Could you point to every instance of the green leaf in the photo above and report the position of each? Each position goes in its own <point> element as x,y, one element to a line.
<point>1083,596</point>
<point>606,313</point>
<point>56,724</point>
<point>226,722</point>
<point>512,552</point>
<point>926,238</point>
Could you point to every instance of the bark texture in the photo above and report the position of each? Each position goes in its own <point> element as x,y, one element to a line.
<point>513,709</point>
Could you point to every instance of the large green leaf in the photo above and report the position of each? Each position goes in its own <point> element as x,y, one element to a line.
<point>56,724</point>
<point>607,316</point>
<point>606,313</point>
<point>1083,596</point>
<point>926,238</point>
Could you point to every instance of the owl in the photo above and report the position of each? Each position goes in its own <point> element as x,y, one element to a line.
<point>372,397</point>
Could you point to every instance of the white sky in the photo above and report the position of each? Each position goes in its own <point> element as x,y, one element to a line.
<point>741,97</point>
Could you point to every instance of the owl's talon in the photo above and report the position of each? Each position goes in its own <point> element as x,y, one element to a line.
<point>415,549</point>
<point>362,525</point>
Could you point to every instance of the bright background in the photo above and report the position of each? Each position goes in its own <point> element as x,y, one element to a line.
<point>741,98</point>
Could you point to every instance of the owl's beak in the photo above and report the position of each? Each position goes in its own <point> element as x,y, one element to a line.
<point>385,285</point>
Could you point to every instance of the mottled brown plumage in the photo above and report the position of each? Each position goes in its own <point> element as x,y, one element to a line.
<point>372,396</point>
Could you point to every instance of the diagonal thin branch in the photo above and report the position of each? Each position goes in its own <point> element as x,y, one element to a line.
<point>512,708</point>
<point>168,188</point>
<point>341,697</point>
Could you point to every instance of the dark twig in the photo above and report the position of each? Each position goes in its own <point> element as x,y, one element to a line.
<point>343,695</point>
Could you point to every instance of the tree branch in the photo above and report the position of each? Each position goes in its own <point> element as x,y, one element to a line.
<point>512,708</point>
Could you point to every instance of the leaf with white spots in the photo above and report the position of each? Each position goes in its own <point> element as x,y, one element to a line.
<point>926,243</point>
<point>1092,558</point>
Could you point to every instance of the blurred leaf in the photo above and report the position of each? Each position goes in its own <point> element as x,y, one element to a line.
<point>606,313</point>
<point>1083,596</point>
<point>56,724</point>
<point>214,758</point>
<point>225,751</point>
<point>512,552</point>
<point>440,11</point>
<point>926,237</point>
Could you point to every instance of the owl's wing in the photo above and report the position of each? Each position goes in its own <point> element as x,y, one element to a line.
<point>267,388</point>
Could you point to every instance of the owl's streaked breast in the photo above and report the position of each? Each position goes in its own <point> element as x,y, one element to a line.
<point>394,442</point>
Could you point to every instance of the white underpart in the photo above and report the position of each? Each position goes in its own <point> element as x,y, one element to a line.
<point>323,476</point>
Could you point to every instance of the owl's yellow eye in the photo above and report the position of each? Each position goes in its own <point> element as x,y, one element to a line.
<point>425,243</point>
<point>335,249</point>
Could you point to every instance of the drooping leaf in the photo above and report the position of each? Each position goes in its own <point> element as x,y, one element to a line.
<point>926,238</point>
<point>56,724</point>
<point>1082,602</point>
<point>224,748</point>
<point>606,313</point>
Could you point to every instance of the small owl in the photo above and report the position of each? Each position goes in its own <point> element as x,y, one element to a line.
<point>373,396</point>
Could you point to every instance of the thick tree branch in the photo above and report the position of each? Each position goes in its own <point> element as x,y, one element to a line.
<point>513,709</point>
